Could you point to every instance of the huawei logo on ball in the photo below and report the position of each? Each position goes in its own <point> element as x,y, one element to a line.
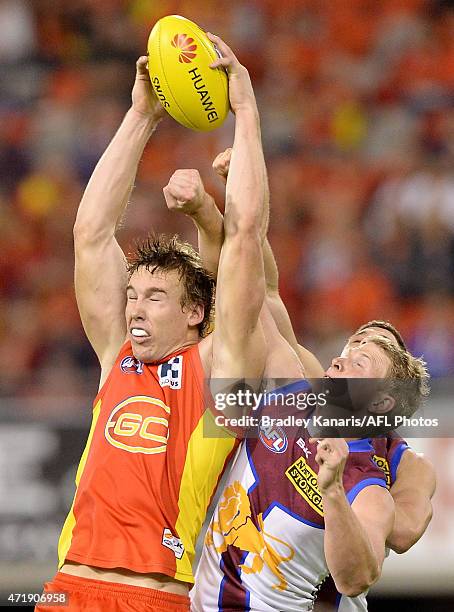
<point>187,47</point>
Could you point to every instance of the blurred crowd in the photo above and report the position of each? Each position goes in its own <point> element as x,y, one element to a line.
<point>356,99</point>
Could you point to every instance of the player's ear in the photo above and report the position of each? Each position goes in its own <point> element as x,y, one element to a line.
<point>382,404</point>
<point>195,314</point>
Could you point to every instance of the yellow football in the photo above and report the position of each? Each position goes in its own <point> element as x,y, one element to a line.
<point>179,56</point>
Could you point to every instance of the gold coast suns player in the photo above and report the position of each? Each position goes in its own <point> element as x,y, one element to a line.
<point>147,473</point>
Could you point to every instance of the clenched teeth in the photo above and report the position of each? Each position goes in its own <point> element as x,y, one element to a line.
<point>139,333</point>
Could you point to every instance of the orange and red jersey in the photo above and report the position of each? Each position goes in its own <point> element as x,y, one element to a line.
<point>147,473</point>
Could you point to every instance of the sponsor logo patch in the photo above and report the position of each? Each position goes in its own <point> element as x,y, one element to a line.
<point>273,438</point>
<point>131,365</point>
<point>139,424</point>
<point>172,542</point>
<point>302,444</point>
<point>170,373</point>
<point>383,465</point>
<point>186,46</point>
<point>304,479</point>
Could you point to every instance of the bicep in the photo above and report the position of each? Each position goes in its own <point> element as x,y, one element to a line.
<point>282,362</point>
<point>412,492</point>
<point>311,365</point>
<point>374,509</point>
<point>415,476</point>
<point>100,284</point>
<point>238,340</point>
<point>281,317</point>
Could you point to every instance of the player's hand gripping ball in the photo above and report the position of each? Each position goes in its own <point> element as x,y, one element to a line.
<point>179,58</point>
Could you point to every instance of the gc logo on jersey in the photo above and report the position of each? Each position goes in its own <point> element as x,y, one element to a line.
<point>273,438</point>
<point>139,424</point>
<point>131,365</point>
<point>170,372</point>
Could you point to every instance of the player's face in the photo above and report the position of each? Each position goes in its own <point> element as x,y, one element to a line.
<point>367,360</point>
<point>156,322</point>
<point>355,340</point>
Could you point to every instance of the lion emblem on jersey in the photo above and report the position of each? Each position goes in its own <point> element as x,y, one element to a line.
<point>236,528</point>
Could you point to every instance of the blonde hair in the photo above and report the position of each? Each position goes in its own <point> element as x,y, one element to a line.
<point>408,374</point>
<point>383,325</point>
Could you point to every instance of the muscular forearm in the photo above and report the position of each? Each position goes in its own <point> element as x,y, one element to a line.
<point>245,189</point>
<point>412,520</point>
<point>268,257</point>
<point>412,492</point>
<point>271,269</point>
<point>210,229</point>
<point>107,192</point>
<point>348,550</point>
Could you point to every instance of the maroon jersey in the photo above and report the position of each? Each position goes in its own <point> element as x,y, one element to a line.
<point>264,548</point>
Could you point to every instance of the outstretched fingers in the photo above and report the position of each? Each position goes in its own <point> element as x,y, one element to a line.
<point>228,59</point>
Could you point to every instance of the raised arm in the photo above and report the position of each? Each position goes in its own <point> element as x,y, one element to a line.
<point>412,492</point>
<point>185,193</point>
<point>354,535</point>
<point>100,268</point>
<point>239,349</point>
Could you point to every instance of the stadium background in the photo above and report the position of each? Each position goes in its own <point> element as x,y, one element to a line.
<point>358,128</point>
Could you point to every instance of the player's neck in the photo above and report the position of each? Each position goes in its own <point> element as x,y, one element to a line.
<point>177,348</point>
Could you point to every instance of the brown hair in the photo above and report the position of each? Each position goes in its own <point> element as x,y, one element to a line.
<point>408,374</point>
<point>161,252</point>
<point>384,325</point>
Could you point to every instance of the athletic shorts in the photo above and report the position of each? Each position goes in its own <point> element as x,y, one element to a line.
<point>88,595</point>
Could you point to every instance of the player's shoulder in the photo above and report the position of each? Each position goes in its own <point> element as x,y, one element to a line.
<point>282,361</point>
<point>416,462</point>
<point>312,366</point>
<point>109,361</point>
<point>361,470</point>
